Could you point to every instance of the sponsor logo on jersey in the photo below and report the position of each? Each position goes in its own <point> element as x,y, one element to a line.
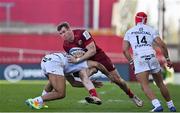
<point>142,45</point>
<point>86,35</point>
<point>141,32</point>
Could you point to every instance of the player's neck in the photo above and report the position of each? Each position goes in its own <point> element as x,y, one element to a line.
<point>71,39</point>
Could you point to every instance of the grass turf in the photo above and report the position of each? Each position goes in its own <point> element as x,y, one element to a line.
<point>13,96</point>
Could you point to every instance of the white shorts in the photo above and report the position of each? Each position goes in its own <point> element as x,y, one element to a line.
<point>58,64</point>
<point>53,64</point>
<point>147,62</point>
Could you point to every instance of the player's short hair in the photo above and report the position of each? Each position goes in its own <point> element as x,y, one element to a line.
<point>63,24</point>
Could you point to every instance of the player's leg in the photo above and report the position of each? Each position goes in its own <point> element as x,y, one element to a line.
<point>93,98</point>
<point>143,79</point>
<point>116,78</point>
<point>47,88</point>
<point>94,66</point>
<point>92,70</point>
<point>109,70</point>
<point>113,76</point>
<point>59,86</point>
<point>164,91</point>
<point>58,83</point>
<point>87,82</point>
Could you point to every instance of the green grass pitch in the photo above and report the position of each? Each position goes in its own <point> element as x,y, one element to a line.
<point>13,96</point>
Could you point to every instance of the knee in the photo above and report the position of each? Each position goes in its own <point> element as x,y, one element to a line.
<point>94,70</point>
<point>117,80</point>
<point>61,95</point>
<point>114,79</point>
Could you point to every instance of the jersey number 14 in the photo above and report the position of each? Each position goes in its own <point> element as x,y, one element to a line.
<point>143,40</point>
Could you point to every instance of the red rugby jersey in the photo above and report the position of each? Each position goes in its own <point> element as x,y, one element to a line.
<point>81,39</point>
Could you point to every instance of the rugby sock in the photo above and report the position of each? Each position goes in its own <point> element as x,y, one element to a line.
<point>92,92</point>
<point>39,99</point>
<point>90,87</point>
<point>156,103</point>
<point>130,94</point>
<point>170,104</point>
<point>44,93</point>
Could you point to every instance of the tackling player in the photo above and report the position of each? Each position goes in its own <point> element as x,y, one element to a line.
<point>83,39</point>
<point>141,38</point>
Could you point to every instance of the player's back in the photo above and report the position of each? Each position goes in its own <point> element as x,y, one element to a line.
<point>141,38</point>
<point>57,57</point>
<point>53,63</point>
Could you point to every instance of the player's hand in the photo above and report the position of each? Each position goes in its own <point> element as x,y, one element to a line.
<point>131,63</point>
<point>71,59</point>
<point>97,84</point>
<point>169,64</point>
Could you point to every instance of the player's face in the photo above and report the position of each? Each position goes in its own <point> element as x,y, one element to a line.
<point>67,34</point>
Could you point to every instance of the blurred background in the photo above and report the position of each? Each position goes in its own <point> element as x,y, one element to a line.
<point>28,31</point>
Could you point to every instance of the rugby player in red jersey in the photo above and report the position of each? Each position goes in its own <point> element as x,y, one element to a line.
<point>83,39</point>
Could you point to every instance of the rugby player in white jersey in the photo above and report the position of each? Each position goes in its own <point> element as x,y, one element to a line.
<point>55,66</point>
<point>144,62</point>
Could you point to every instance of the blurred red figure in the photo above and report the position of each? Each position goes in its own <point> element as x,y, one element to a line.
<point>144,62</point>
<point>83,39</point>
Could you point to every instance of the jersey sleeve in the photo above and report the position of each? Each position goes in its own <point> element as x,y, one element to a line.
<point>126,37</point>
<point>155,34</point>
<point>87,38</point>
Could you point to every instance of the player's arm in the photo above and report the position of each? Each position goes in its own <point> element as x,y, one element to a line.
<point>90,46</point>
<point>164,50</point>
<point>98,66</point>
<point>91,51</point>
<point>73,82</point>
<point>162,46</point>
<point>125,47</point>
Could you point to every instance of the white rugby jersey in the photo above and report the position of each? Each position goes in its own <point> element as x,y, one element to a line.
<point>141,38</point>
<point>63,63</point>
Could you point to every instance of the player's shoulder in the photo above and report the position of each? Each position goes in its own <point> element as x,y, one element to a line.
<point>149,26</point>
<point>130,30</point>
<point>82,33</point>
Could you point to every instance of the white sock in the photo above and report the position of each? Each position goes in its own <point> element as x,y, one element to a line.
<point>39,99</point>
<point>170,104</point>
<point>155,103</point>
<point>88,84</point>
<point>44,93</point>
